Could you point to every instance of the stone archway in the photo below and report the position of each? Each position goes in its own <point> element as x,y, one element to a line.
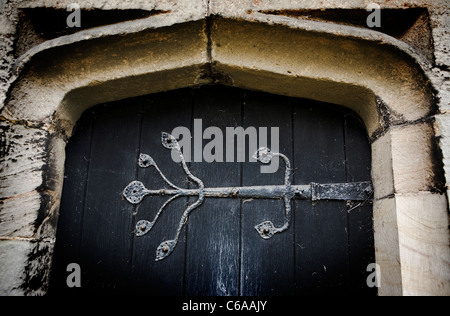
<point>378,77</point>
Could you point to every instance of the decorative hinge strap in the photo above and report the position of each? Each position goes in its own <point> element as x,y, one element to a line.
<point>136,191</point>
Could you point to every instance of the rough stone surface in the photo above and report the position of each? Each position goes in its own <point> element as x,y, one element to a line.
<point>23,151</point>
<point>27,154</point>
<point>382,169</point>
<point>386,233</point>
<point>13,258</point>
<point>345,61</point>
<point>68,69</point>
<point>24,266</point>
<point>423,234</point>
<point>419,226</point>
<point>177,11</point>
<point>412,150</point>
<point>21,175</point>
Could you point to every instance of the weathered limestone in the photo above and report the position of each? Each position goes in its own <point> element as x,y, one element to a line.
<point>31,177</point>
<point>21,175</point>
<point>25,266</point>
<point>27,180</point>
<point>382,167</point>
<point>177,54</point>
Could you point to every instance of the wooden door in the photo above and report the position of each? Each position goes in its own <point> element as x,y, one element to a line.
<point>326,250</point>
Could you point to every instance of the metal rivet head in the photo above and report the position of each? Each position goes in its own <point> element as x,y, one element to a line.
<point>165,249</point>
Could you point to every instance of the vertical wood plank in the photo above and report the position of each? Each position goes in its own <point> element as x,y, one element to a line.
<point>360,219</point>
<point>70,222</point>
<point>321,228</point>
<point>267,265</point>
<point>106,241</point>
<point>162,113</point>
<point>213,229</point>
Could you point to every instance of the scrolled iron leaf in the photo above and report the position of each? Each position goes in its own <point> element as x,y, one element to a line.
<point>263,155</point>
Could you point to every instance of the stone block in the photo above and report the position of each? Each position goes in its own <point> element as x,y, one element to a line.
<point>13,262</point>
<point>404,160</point>
<point>150,49</point>
<point>387,254</point>
<point>22,160</point>
<point>413,158</point>
<point>18,215</point>
<point>418,225</point>
<point>24,267</point>
<point>424,245</point>
<point>382,172</point>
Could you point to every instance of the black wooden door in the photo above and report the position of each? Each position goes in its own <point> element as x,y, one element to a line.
<point>326,250</point>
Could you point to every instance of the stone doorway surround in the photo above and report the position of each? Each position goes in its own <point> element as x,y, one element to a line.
<point>236,43</point>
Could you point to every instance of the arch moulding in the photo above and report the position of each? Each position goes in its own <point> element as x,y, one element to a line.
<point>378,77</point>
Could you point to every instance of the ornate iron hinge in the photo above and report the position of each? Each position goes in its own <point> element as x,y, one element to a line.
<point>136,191</point>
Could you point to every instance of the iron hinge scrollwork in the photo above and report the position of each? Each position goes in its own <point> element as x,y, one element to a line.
<point>136,191</point>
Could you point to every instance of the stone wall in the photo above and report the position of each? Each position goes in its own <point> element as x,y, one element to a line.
<point>408,118</point>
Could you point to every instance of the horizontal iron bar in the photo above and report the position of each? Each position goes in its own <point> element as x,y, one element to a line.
<point>357,191</point>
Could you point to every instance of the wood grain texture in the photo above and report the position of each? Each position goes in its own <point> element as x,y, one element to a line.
<point>325,251</point>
